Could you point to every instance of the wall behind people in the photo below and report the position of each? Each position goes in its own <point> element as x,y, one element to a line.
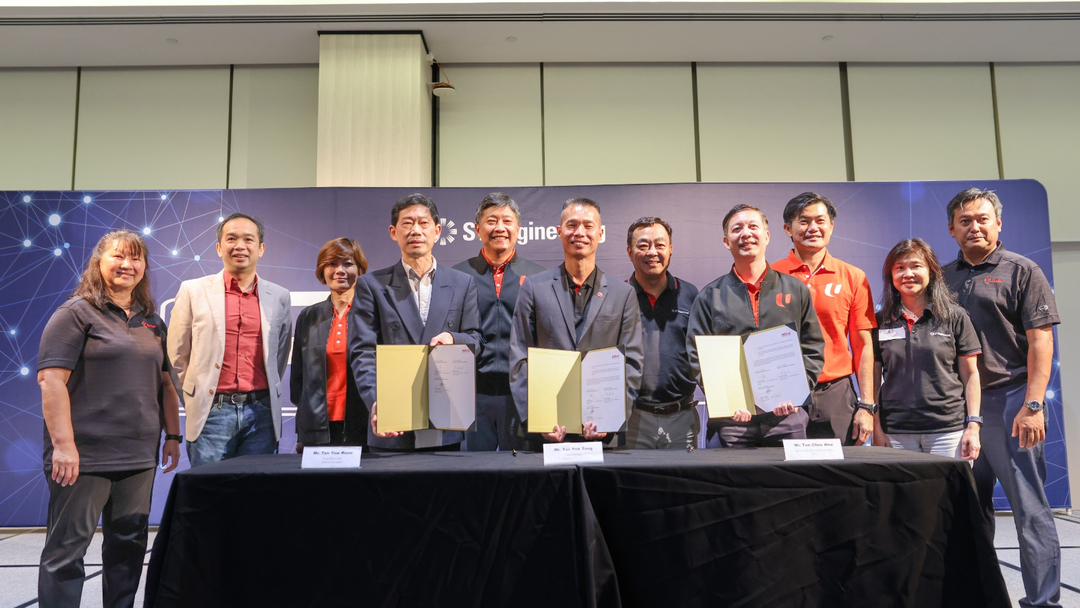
<point>750,122</point>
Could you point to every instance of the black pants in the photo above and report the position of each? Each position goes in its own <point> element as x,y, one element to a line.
<point>832,411</point>
<point>122,501</point>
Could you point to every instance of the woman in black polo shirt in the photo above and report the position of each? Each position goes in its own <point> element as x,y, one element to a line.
<point>106,394</point>
<point>927,349</point>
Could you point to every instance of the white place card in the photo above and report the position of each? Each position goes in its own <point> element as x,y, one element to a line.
<point>337,457</point>
<point>813,449</point>
<point>587,452</point>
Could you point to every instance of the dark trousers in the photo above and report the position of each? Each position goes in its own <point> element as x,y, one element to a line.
<point>122,501</point>
<point>832,410</point>
<point>497,425</point>
<point>763,430</point>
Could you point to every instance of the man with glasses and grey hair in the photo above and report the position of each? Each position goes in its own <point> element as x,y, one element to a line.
<point>498,273</point>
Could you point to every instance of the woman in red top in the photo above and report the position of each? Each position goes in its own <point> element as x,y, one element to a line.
<point>321,385</point>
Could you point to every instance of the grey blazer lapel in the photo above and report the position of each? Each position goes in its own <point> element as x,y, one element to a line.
<point>565,305</point>
<point>401,296</point>
<point>597,302</point>
<point>442,294</point>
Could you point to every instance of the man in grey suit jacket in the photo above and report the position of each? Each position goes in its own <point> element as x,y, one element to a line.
<point>229,344</point>
<point>575,307</point>
<point>412,302</point>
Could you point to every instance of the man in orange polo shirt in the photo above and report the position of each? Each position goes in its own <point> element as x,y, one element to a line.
<point>845,309</point>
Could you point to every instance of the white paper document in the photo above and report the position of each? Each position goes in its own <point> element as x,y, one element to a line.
<point>775,364</point>
<point>603,389</point>
<point>813,449</point>
<point>452,387</point>
<point>573,453</point>
<point>337,457</point>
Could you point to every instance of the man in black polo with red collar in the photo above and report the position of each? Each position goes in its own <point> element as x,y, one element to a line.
<point>1012,306</point>
<point>664,415</point>
<point>498,273</point>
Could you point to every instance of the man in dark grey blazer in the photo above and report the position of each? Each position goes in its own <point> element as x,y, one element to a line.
<point>498,272</point>
<point>575,307</point>
<point>411,302</point>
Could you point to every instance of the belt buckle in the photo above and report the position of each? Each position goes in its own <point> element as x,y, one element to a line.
<point>243,398</point>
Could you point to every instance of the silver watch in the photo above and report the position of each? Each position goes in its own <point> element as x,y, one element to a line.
<point>1034,406</point>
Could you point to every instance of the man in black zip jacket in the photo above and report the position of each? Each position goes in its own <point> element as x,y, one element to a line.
<point>498,273</point>
<point>749,298</point>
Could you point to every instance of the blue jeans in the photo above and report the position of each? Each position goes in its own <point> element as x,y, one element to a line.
<point>234,430</point>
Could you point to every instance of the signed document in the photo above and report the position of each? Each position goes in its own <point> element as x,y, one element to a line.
<point>420,387</point>
<point>568,389</point>
<point>723,375</point>
<point>603,389</point>
<point>775,365</point>
<point>452,387</point>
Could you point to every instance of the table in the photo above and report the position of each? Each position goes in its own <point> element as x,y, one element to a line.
<point>709,527</point>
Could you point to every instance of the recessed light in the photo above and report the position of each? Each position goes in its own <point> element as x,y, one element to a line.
<point>511,38</point>
<point>826,38</point>
<point>171,40</point>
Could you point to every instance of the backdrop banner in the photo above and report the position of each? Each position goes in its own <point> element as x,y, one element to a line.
<point>46,238</point>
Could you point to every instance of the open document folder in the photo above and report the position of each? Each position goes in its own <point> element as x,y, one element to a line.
<point>422,387</point>
<point>766,369</point>
<point>569,389</point>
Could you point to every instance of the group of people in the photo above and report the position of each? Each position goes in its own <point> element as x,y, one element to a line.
<point>955,362</point>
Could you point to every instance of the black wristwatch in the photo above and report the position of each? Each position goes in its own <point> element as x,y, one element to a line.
<point>1034,406</point>
<point>870,407</point>
<point>978,419</point>
<point>178,438</point>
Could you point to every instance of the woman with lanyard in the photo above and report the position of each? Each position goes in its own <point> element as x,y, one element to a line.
<point>321,385</point>
<point>928,350</point>
<point>107,392</point>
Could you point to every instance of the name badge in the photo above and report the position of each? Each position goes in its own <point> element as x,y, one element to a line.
<point>340,457</point>
<point>573,453</point>
<point>813,449</point>
<point>893,333</point>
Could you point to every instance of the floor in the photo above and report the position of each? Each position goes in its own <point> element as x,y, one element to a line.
<point>20,550</point>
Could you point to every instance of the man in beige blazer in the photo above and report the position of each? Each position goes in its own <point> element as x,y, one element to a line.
<point>229,343</point>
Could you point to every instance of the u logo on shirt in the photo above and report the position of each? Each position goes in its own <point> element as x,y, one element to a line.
<point>782,299</point>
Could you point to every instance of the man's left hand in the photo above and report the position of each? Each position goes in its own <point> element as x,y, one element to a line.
<point>589,431</point>
<point>863,426</point>
<point>784,409</point>
<point>1030,427</point>
<point>443,338</point>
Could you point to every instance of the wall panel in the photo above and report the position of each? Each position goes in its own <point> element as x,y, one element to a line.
<point>37,128</point>
<point>1040,126</point>
<point>618,123</point>
<point>275,123</point>
<point>490,130</point>
<point>771,123</point>
<point>153,128</point>
<point>922,122</point>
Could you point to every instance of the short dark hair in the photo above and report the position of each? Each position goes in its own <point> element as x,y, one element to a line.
<point>804,200</point>
<point>970,195</point>
<point>341,248</point>
<point>497,199</point>
<point>412,200</point>
<point>241,216</point>
<point>645,222</point>
<point>744,207</point>
<point>582,201</point>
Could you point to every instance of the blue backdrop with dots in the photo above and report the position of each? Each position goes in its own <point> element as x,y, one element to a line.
<point>46,238</point>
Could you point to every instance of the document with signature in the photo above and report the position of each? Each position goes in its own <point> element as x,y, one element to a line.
<point>568,389</point>
<point>775,365</point>
<point>724,375</point>
<point>421,387</point>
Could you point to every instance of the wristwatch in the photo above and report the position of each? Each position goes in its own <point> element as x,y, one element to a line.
<point>978,419</point>
<point>174,437</point>
<point>1034,406</point>
<point>870,407</point>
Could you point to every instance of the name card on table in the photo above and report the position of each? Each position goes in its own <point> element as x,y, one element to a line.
<point>339,457</point>
<point>573,453</point>
<point>813,449</point>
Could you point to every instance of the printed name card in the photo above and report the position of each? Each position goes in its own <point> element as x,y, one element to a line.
<point>339,457</point>
<point>573,453</point>
<point>813,449</point>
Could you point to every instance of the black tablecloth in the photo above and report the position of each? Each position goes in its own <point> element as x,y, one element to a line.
<point>716,527</point>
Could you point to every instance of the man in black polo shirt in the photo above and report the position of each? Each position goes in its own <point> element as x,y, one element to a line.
<point>1012,307</point>
<point>498,273</point>
<point>664,415</point>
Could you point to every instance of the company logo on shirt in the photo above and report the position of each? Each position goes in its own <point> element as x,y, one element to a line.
<point>938,333</point>
<point>833,289</point>
<point>989,280</point>
<point>782,299</point>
